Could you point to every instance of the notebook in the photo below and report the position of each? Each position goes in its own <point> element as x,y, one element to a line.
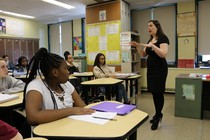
<point>120,109</point>
<point>7,97</point>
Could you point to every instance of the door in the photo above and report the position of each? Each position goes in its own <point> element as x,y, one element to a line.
<point>30,49</point>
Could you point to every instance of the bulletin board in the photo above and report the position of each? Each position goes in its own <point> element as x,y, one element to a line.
<point>104,37</point>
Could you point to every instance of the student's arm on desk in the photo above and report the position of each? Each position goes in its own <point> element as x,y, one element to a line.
<point>36,115</point>
<point>14,85</point>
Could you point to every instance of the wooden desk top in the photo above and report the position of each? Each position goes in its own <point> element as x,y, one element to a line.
<point>67,127</point>
<point>72,77</point>
<point>83,74</point>
<point>14,102</point>
<point>102,81</point>
<point>131,77</point>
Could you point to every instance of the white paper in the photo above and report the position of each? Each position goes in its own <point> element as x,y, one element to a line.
<point>94,31</point>
<point>112,56</point>
<point>103,42</point>
<point>92,55</point>
<point>7,97</point>
<point>112,29</point>
<point>90,118</point>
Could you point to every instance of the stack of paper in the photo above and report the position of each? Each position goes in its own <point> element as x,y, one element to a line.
<point>96,117</point>
<point>7,97</point>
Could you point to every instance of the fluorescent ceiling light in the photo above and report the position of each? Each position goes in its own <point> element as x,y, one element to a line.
<point>59,4</point>
<point>15,14</point>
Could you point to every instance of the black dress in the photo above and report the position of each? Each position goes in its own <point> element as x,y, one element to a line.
<point>157,68</point>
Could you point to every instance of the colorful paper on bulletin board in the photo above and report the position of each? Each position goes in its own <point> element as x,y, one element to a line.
<point>2,25</point>
<point>96,34</point>
<point>77,43</point>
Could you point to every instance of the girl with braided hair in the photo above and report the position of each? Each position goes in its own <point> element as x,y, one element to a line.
<point>50,97</point>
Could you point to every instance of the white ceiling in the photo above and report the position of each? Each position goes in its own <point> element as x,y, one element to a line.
<point>48,13</point>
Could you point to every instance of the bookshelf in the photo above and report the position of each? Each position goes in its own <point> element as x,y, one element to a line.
<point>131,61</point>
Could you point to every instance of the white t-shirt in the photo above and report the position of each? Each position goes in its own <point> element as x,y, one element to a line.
<point>39,86</point>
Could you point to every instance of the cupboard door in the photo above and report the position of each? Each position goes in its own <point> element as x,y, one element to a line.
<point>16,50</point>
<point>36,45</point>
<point>9,49</point>
<point>2,47</point>
<point>24,48</point>
<point>30,49</point>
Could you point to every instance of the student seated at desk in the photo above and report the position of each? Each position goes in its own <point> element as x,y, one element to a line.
<point>53,97</point>
<point>101,70</point>
<point>9,84</point>
<point>8,132</point>
<point>72,67</point>
<point>21,67</point>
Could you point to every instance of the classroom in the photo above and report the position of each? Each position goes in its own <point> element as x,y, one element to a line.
<point>83,29</point>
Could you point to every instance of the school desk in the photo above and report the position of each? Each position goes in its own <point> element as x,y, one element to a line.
<point>67,128</point>
<point>108,83</point>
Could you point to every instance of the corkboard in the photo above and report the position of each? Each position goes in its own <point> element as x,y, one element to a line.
<point>186,24</point>
<point>112,12</point>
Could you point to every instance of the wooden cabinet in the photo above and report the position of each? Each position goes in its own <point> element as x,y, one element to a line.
<point>2,48</point>
<point>16,47</point>
<point>131,61</point>
<point>17,50</point>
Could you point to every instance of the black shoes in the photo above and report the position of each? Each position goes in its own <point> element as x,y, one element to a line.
<point>155,121</point>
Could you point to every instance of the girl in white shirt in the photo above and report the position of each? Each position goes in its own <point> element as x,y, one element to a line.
<point>53,97</point>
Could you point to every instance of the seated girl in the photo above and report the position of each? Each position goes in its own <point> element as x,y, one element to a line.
<point>52,97</point>
<point>101,70</point>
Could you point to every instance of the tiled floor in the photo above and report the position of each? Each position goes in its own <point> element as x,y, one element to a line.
<point>171,128</point>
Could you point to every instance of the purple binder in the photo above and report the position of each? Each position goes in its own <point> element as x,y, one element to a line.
<point>120,109</point>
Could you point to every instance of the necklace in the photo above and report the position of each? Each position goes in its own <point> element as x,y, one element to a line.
<point>60,96</point>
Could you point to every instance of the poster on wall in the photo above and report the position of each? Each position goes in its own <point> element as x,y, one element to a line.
<point>2,26</point>
<point>77,44</point>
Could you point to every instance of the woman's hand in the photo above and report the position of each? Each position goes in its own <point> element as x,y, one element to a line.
<point>150,45</point>
<point>134,44</point>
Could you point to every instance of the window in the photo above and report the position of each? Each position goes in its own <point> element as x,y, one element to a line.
<point>203,28</point>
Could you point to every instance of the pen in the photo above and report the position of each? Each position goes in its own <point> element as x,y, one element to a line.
<point>105,118</point>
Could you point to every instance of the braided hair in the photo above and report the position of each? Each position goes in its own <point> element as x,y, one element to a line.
<point>42,61</point>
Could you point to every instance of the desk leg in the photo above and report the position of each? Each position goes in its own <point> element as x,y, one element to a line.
<point>133,136</point>
<point>126,85</point>
<point>131,91</point>
<point>136,91</point>
<point>108,92</point>
<point>85,93</point>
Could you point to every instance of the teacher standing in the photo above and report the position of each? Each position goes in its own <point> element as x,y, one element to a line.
<point>156,50</point>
